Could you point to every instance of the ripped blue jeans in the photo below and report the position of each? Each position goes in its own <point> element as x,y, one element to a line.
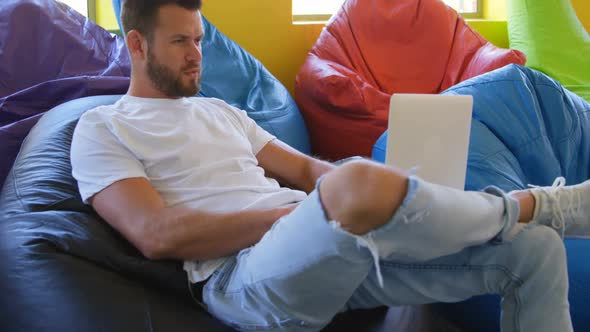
<point>441,245</point>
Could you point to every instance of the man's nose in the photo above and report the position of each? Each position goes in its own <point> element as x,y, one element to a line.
<point>195,53</point>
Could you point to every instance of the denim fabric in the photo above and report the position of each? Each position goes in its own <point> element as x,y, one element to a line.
<point>441,245</point>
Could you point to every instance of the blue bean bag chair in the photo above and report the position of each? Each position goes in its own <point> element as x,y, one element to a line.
<point>526,129</point>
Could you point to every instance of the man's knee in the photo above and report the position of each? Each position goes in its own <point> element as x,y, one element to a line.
<point>538,262</point>
<point>541,249</point>
<point>349,181</point>
<point>361,191</point>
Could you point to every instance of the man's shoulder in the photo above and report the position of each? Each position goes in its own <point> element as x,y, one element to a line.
<point>98,114</point>
<point>210,101</point>
<point>97,121</point>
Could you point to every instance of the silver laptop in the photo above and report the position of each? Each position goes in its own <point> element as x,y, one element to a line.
<point>429,134</point>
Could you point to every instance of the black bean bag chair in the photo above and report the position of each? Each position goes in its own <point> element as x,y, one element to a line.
<point>63,268</point>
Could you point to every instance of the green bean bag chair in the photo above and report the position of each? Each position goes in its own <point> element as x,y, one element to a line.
<point>553,39</point>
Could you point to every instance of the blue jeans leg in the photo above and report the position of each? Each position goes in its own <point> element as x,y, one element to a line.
<point>306,268</point>
<point>528,271</point>
<point>296,278</point>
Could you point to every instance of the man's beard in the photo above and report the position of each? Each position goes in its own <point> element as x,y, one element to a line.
<point>167,82</point>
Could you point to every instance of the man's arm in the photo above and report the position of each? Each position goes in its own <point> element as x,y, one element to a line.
<point>291,167</point>
<point>135,209</point>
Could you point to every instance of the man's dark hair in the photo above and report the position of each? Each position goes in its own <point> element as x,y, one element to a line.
<point>141,15</point>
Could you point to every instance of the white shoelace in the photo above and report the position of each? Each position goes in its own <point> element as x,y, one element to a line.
<point>554,193</point>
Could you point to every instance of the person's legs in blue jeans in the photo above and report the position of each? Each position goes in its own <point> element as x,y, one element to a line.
<point>308,266</point>
<point>528,271</point>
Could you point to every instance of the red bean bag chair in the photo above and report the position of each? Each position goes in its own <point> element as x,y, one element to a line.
<point>373,48</point>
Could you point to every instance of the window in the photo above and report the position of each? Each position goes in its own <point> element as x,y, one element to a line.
<point>464,6</point>
<point>84,7</point>
<point>81,6</point>
<point>321,10</point>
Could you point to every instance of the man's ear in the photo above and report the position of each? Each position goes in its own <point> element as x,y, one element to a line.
<point>137,44</point>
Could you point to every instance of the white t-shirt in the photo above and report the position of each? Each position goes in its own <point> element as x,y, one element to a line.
<point>196,152</point>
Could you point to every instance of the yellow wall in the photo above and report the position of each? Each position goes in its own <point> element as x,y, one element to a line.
<point>264,28</point>
<point>496,31</point>
<point>494,9</point>
<point>105,15</point>
<point>582,8</point>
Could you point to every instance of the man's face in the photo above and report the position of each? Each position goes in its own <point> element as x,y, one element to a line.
<point>174,53</point>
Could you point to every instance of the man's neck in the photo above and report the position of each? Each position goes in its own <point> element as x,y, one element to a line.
<point>145,89</point>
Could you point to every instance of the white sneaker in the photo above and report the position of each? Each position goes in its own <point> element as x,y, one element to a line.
<point>564,208</point>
